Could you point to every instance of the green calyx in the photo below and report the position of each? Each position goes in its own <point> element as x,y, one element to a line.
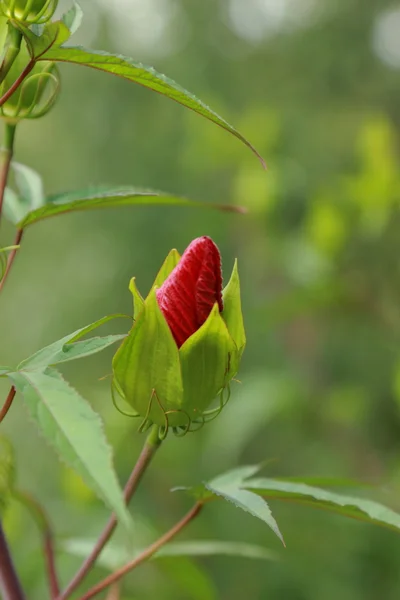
<point>29,11</point>
<point>174,387</point>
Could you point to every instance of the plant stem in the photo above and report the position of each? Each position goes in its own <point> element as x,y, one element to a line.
<point>7,153</point>
<point>11,257</point>
<point>149,449</point>
<point>18,81</point>
<point>9,582</point>
<point>43,523</point>
<point>146,554</point>
<point>7,403</point>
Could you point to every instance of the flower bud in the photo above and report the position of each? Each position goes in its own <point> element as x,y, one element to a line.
<point>186,342</point>
<point>29,11</point>
<point>36,94</point>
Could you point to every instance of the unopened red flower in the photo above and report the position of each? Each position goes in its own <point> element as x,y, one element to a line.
<point>187,296</point>
<point>186,342</point>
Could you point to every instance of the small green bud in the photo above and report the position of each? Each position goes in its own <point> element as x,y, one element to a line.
<point>186,343</point>
<point>36,94</point>
<point>29,11</point>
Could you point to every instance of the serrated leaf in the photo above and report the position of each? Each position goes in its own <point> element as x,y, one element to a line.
<point>235,477</point>
<point>110,198</point>
<point>7,472</point>
<point>115,556</point>
<point>73,17</point>
<point>358,508</point>
<point>67,348</point>
<point>146,76</point>
<point>248,502</point>
<point>75,431</point>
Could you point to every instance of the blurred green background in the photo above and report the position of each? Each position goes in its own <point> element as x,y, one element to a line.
<point>315,85</point>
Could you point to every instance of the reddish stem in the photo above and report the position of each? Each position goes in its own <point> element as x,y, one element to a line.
<point>7,404</point>
<point>149,449</point>
<point>146,554</point>
<point>9,582</point>
<point>11,258</point>
<point>18,81</point>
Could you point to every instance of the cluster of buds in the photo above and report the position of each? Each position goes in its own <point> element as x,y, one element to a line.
<point>29,11</point>
<point>186,342</point>
<point>37,93</point>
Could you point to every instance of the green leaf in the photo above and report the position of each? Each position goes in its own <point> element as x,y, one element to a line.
<point>4,370</point>
<point>67,348</point>
<point>357,508</point>
<point>40,38</point>
<point>73,17</point>
<point>115,556</point>
<point>168,266</point>
<point>214,548</point>
<point>29,196</point>
<point>110,198</point>
<point>75,431</point>
<point>232,313</point>
<point>235,477</point>
<point>146,76</point>
<point>248,502</point>
<point>206,358</point>
<point>146,367</point>
<point>7,473</point>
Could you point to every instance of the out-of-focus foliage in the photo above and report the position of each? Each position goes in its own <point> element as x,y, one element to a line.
<point>314,84</point>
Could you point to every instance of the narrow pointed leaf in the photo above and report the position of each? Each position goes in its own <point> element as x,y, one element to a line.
<point>111,198</point>
<point>73,18</point>
<point>68,348</point>
<point>232,313</point>
<point>168,266</point>
<point>115,556</point>
<point>146,76</point>
<point>357,508</point>
<point>138,301</point>
<point>248,502</point>
<point>4,370</point>
<point>235,477</point>
<point>70,425</point>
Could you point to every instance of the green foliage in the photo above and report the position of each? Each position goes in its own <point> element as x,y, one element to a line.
<point>72,427</point>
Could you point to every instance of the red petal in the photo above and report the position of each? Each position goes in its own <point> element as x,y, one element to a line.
<point>187,296</point>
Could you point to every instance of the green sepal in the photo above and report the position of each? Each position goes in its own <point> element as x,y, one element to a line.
<point>138,301</point>
<point>207,358</point>
<point>147,369</point>
<point>168,266</point>
<point>232,313</point>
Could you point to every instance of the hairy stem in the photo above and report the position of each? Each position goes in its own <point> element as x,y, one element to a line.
<point>11,257</point>
<point>10,586</point>
<point>149,449</point>
<point>7,403</point>
<point>43,523</point>
<point>6,157</point>
<point>146,554</point>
